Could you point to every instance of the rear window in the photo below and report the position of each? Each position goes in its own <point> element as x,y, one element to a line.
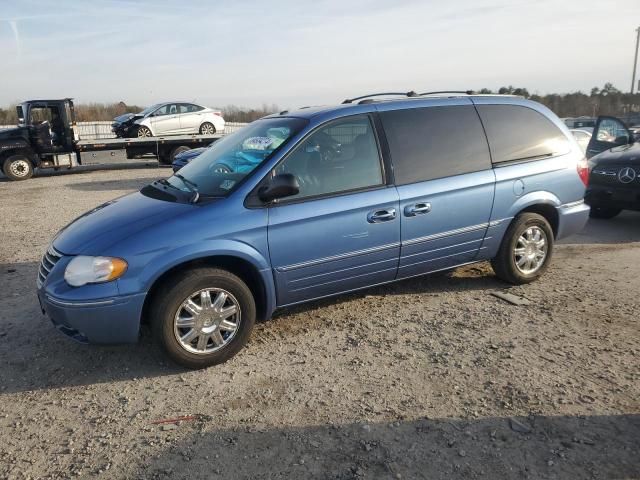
<point>520,133</point>
<point>435,142</point>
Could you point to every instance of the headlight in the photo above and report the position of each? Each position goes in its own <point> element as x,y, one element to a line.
<point>82,270</point>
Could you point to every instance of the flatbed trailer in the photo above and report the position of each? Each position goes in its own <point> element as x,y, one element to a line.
<point>47,137</point>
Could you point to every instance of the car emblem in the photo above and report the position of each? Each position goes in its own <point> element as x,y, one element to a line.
<point>627,175</point>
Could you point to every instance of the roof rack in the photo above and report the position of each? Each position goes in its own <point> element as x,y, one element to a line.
<point>398,94</point>
<point>464,92</point>
<point>411,94</point>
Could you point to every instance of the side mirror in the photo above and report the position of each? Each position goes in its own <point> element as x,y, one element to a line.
<point>280,186</point>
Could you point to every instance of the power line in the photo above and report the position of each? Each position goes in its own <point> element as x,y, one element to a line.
<point>635,61</point>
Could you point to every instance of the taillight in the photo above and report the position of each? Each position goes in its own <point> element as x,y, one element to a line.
<point>583,171</point>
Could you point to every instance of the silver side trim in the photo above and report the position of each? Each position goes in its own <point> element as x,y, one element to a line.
<point>577,203</point>
<point>318,261</point>
<point>457,231</point>
<point>436,259</point>
<point>64,303</point>
<point>495,223</point>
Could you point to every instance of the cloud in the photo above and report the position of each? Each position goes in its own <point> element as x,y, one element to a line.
<point>16,35</point>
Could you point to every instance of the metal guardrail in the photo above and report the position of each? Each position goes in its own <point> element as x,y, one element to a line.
<point>102,130</point>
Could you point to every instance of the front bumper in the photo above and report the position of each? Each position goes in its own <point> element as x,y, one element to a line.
<point>610,196</point>
<point>106,320</point>
<point>572,217</point>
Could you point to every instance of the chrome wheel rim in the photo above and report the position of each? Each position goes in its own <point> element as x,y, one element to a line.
<point>531,250</point>
<point>19,168</point>
<point>207,129</point>
<point>144,132</point>
<point>207,320</point>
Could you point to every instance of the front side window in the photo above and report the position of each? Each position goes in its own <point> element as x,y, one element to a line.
<point>163,110</point>
<point>435,142</point>
<point>220,168</point>
<point>520,133</point>
<point>148,110</point>
<point>340,156</point>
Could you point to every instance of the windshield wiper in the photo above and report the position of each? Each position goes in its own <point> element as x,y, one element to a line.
<point>193,188</point>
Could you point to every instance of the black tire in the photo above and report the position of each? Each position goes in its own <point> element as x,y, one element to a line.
<point>17,167</point>
<point>504,264</point>
<point>172,294</point>
<point>604,213</point>
<point>143,132</point>
<point>176,151</point>
<point>207,128</point>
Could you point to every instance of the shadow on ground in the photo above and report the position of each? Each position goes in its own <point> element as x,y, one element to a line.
<point>548,447</point>
<point>625,228</point>
<point>133,165</point>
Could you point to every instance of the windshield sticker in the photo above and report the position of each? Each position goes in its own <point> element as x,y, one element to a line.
<point>227,184</point>
<point>257,143</point>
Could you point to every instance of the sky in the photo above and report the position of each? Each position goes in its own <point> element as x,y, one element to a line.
<point>302,52</point>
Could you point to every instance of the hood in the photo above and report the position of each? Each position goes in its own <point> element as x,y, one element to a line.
<point>93,232</point>
<point>16,132</point>
<point>626,154</point>
<point>126,117</point>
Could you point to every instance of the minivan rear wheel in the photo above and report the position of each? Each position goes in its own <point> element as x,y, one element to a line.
<point>203,317</point>
<point>526,249</point>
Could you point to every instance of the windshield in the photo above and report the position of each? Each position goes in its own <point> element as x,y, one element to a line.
<point>149,109</point>
<point>220,168</point>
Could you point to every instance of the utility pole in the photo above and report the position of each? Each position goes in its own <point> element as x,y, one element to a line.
<point>635,62</point>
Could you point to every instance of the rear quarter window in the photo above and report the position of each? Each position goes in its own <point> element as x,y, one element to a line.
<point>435,142</point>
<point>519,133</point>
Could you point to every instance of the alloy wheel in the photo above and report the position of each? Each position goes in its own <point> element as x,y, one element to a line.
<point>530,251</point>
<point>207,129</point>
<point>207,320</point>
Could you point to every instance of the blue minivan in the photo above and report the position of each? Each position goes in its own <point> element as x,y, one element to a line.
<point>315,202</point>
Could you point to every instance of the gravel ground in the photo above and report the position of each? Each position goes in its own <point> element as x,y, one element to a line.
<point>428,378</point>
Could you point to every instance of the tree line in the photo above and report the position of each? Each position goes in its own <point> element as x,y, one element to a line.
<point>94,112</point>
<point>607,100</point>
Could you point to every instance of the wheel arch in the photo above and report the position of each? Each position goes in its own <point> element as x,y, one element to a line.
<point>247,271</point>
<point>19,150</point>
<point>543,203</point>
<point>145,122</point>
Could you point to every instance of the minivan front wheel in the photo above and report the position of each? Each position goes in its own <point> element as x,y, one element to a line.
<point>525,251</point>
<point>203,317</point>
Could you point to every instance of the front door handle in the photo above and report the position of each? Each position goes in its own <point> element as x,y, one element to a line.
<point>379,216</point>
<point>417,209</point>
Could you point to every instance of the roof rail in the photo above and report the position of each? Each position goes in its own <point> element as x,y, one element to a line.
<point>400,94</point>
<point>464,92</point>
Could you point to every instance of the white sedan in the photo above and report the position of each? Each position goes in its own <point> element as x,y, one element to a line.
<point>170,118</point>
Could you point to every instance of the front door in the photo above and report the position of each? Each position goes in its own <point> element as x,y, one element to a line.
<point>342,231</point>
<point>165,120</point>
<point>609,132</point>
<point>445,182</point>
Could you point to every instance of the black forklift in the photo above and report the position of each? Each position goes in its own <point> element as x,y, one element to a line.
<point>47,137</point>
